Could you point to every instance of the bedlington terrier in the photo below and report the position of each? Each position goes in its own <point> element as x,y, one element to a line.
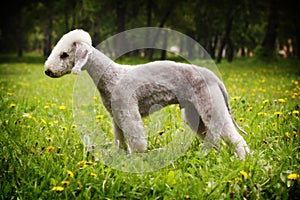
<point>130,92</point>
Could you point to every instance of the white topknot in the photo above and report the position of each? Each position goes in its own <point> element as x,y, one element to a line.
<point>77,35</point>
<point>65,43</point>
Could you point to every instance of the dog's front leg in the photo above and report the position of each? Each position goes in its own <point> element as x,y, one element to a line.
<point>129,122</point>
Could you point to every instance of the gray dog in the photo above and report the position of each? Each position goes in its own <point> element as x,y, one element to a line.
<point>130,92</point>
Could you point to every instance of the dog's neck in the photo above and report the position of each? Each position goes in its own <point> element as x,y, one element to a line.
<point>105,73</point>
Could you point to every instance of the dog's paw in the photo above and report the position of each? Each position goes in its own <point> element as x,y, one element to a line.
<point>76,70</point>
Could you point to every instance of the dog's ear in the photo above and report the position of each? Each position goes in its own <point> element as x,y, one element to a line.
<point>82,53</point>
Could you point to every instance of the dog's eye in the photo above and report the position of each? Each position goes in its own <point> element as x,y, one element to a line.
<point>64,55</point>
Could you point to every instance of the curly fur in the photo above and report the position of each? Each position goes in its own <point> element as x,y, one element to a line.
<point>129,93</point>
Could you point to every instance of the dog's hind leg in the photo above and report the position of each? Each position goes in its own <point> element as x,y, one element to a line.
<point>231,136</point>
<point>119,137</point>
<point>193,119</point>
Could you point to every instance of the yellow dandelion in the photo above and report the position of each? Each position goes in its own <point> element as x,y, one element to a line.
<point>287,135</point>
<point>238,179</point>
<point>46,106</point>
<point>49,139</point>
<point>293,176</point>
<point>27,115</point>
<point>74,126</point>
<point>62,107</point>
<point>235,98</point>
<point>241,119</point>
<point>81,162</point>
<point>262,114</point>
<point>99,116</point>
<point>89,163</point>
<point>244,174</point>
<point>58,188</point>
<point>49,149</point>
<point>281,100</point>
<point>43,121</point>
<point>296,112</point>
<point>295,134</point>
<point>12,105</point>
<point>278,113</point>
<point>249,109</point>
<point>94,175</point>
<point>70,174</point>
<point>64,128</point>
<point>266,101</point>
<point>65,183</point>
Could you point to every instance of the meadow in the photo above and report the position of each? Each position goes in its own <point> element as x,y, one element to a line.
<point>43,156</point>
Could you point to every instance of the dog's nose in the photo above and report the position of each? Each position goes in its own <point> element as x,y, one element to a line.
<point>48,72</point>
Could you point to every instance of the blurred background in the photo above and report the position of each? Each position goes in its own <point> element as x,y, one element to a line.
<point>226,29</point>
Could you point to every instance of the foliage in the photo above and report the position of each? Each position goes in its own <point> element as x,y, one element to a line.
<point>35,25</point>
<point>42,155</point>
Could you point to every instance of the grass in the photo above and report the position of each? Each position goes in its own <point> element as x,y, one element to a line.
<point>43,157</point>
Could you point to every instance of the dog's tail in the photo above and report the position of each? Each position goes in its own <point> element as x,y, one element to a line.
<point>224,92</point>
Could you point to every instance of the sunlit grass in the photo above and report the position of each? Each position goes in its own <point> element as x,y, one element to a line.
<point>42,155</point>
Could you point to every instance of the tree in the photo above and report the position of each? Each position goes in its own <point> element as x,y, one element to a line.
<point>268,44</point>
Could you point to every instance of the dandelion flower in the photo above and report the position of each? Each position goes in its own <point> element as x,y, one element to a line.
<point>296,112</point>
<point>58,188</point>
<point>49,149</point>
<point>27,115</point>
<point>281,100</point>
<point>65,183</point>
<point>293,176</point>
<point>89,163</point>
<point>266,101</point>
<point>235,98</point>
<point>262,114</point>
<point>241,119</point>
<point>70,173</point>
<point>99,116</point>
<point>287,135</point>
<point>249,109</point>
<point>64,128</point>
<point>49,139</point>
<point>46,106</point>
<point>62,107</point>
<point>73,126</point>
<point>43,121</point>
<point>244,174</point>
<point>81,162</point>
<point>12,105</point>
<point>295,133</point>
<point>277,113</point>
<point>94,175</point>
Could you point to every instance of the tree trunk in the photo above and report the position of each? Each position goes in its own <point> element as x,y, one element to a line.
<point>121,43</point>
<point>148,24</point>
<point>66,14</point>
<point>226,38</point>
<point>164,47</point>
<point>48,35</point>
<point>268,44</point>
<point>161,24</point>
<point>230,51</point>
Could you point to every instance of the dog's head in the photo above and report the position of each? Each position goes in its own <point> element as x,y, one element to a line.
<point>69,55</point>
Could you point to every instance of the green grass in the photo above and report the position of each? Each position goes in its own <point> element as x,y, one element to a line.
<point>40,141</point>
